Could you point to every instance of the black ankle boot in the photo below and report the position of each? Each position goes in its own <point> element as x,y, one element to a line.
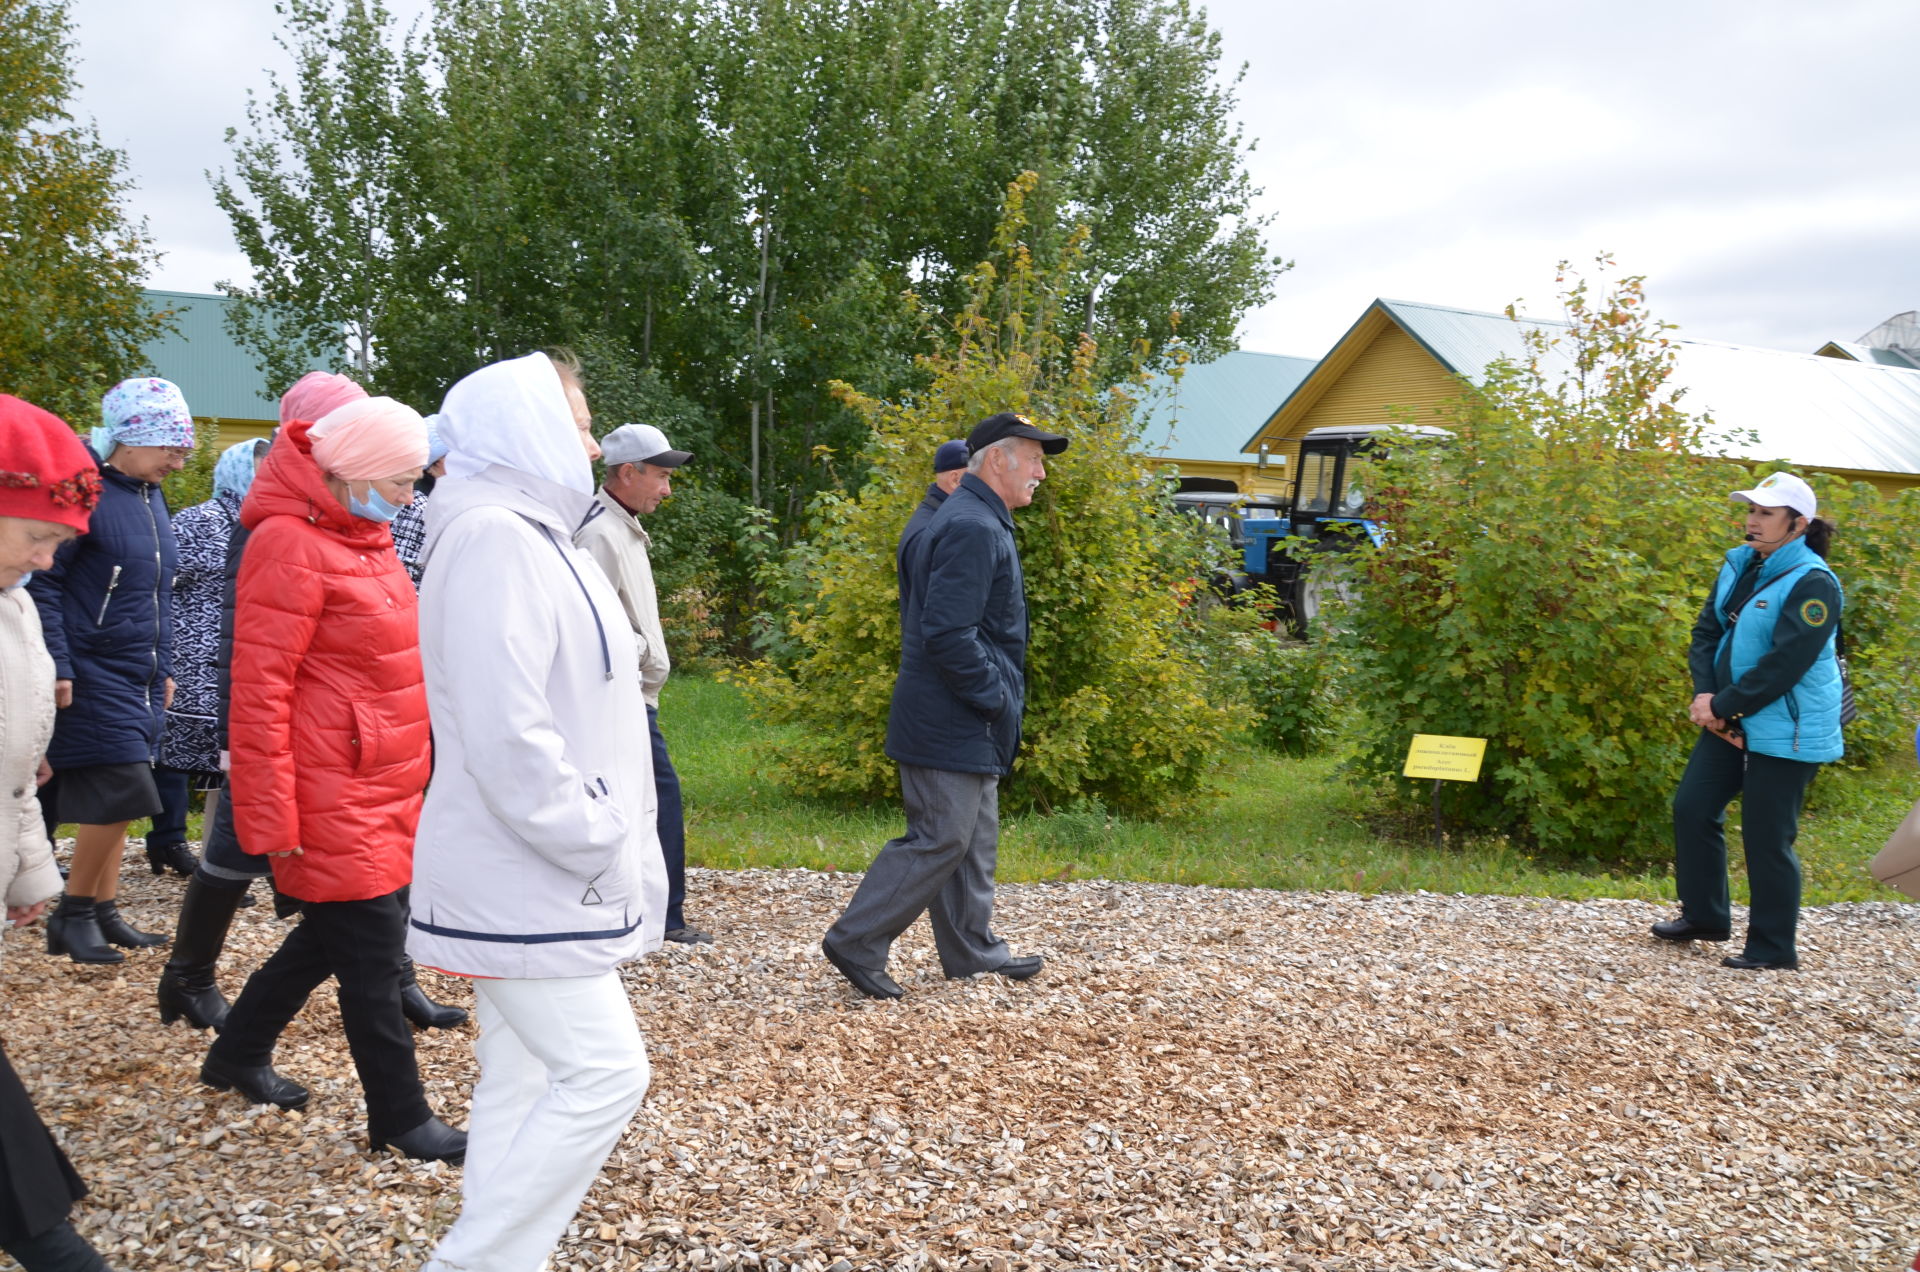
<point>73,929</point>
<point>187,986</point>
<point>58,1249</point>
<point>421,1010</point>
<point>120,932</point>
<point>175,857</point>
<point>258,1083</point>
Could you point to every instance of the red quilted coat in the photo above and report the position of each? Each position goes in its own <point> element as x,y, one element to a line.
<point>328,722</point>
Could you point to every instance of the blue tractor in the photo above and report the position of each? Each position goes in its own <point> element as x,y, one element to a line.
<point>1326,512</point>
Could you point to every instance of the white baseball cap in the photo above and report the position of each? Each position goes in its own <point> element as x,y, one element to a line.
<point>640,444</point>
<point>1781,490</point>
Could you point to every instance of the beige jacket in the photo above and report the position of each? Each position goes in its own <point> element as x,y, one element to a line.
<point>612,536</point>
<point>27,872</point>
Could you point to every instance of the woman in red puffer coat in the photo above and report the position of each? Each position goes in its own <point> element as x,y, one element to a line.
<point>330,753</point>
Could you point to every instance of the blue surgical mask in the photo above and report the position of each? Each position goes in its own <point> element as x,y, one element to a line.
<point>23,580</point>
<point>374,507</point>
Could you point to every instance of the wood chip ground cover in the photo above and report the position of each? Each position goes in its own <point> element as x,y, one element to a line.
<point>1200,1079</point>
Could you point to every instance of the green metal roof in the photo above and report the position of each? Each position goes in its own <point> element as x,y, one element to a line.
<point>214,372</point>
<point>1217,405</point>
<point>1800,407</point>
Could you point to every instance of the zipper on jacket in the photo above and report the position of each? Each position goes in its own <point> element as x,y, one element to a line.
<point>159,564</point>
<point>113,581</point>
<point>1793,709</point>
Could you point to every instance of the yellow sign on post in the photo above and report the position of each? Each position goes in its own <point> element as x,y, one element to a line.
<point>1445,759</point>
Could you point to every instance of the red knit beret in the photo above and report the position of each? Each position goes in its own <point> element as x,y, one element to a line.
<point>45,471</point>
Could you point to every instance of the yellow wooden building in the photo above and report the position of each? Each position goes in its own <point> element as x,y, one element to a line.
<point>1404,360</point>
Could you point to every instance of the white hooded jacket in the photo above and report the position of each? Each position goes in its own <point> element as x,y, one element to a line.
<point>537,853</point>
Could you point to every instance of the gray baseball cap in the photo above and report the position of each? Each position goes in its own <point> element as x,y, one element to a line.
<point>640,444</point>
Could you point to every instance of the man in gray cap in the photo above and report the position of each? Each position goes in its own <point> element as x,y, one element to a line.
<point>955,722</point>
<point>639,478</point>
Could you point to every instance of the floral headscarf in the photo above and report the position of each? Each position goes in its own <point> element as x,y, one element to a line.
<point>233,471</point>
<point>145,412</point>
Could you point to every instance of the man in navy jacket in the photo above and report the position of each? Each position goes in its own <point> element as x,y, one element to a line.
<point>954,726</point>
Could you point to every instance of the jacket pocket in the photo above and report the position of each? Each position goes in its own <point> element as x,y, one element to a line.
<point>367,751</point>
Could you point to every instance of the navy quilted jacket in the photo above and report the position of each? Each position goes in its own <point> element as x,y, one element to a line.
<point>107,610</point>
<point>962,688</point>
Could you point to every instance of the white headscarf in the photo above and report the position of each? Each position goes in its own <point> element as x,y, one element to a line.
<point>515,414</point>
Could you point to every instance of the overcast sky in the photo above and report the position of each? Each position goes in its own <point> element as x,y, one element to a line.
<point>1757,160</point>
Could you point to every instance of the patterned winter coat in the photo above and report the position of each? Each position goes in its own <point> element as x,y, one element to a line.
<point>203,532</point>
<point>328,720</point>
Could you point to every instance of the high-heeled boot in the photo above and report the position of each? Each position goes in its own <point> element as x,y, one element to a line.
<point>120,932</point>
<point>73,929</point>
<point>421,1010</point>
<point>187,985</point>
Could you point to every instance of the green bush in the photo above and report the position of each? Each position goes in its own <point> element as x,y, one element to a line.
<point>1291,688</point>
<point>1538,586</point>
<point>1542,575</point>
<point>1116,704</point>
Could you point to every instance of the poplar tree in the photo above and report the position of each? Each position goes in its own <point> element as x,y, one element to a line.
<point>72,256</point>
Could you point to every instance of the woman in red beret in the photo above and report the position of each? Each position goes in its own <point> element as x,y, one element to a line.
<point>48,487</point>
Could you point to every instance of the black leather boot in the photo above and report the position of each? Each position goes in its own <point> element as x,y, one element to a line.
<point>187,986</point>
<point>73,929</point>
<point>120,932</point>
<point>431,1141</point>
<point>175,857</point>
<point>58,1249</point>
<point>259,1083</point>
<point>423,1011</point>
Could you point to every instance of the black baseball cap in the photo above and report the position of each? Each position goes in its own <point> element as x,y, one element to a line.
<point>1007,424</point>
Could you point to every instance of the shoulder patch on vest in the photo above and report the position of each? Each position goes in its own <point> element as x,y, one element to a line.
<point>1813,613</point>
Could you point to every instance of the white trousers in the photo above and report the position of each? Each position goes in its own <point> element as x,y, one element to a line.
<point>562,1071</point>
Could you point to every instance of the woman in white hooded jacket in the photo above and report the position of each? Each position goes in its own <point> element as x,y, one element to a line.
<point>537,870</point>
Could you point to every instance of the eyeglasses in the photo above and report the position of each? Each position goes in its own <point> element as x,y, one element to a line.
<point>181,453</point>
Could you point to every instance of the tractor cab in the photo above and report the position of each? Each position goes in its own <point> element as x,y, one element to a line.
<point>1328,506</point>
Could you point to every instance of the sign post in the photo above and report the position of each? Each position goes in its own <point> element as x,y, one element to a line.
<point>1444,759</point>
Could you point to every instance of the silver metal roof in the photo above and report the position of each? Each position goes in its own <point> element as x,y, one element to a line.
<point>1805,409</point>
<point>215,374</point>
<point>1206,416</point>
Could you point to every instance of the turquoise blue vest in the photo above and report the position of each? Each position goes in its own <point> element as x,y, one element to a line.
<point>1804,723</point>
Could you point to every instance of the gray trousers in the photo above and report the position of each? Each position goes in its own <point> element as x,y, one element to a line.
<point>943,865</point>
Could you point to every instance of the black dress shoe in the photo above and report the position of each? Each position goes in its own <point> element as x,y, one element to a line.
<point>1685,929</point>
<point>872,984</point>
<point>431,1141</point>
<point>1021,968</point>
<point>259,1084</point>
<point>688,936</point>
<point>1018,969</point>
<point>1745,964</point>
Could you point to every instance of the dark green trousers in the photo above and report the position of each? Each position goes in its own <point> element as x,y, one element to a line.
<point>1770,790</point>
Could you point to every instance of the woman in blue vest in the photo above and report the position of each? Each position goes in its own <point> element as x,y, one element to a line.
<point>1766,690</point>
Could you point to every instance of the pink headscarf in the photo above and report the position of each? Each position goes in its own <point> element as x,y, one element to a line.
<point>369,439</point>
<point>316,393</point>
